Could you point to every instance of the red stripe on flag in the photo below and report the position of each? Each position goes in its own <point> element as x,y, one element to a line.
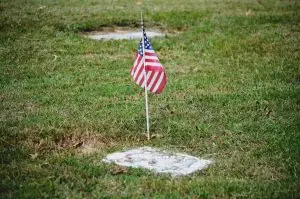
<point>150,54</point>
<point>155,82</point>
<point>139,73</point>
<point>152,61</point>
<point>137,62</point>
<point>162,84</point>
<point>154,68</point>
<point>149,79</point>
<point>141,82</point>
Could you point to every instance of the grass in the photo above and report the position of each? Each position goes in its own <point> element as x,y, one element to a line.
<point>233,95</point>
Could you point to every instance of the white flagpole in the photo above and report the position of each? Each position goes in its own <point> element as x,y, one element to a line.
<point>145,79</point>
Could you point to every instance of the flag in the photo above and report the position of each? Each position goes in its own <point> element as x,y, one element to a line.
<point>155,74</point>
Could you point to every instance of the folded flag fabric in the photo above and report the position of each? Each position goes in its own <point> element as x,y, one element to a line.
<point>155,74</point>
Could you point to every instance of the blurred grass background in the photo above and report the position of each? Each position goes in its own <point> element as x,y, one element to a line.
<point>232,95</point>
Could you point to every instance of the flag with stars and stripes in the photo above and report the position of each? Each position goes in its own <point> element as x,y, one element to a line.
<point>155,74</point>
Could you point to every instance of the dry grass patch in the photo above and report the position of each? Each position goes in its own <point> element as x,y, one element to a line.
<point>77,141</point>
<point>85,143</point>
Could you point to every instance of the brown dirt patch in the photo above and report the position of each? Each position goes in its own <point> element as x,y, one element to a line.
<point>84,143</point>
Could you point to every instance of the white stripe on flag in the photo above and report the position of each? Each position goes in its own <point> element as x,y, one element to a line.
<point>149,51</point>
<point>153,64</point>
<point>158,82</point>
<point>153,80</point>
<point>136,60</point>
<point>148,75</point>
<point>151,57</point>
<point>138,68</point>
<point>140,77</point>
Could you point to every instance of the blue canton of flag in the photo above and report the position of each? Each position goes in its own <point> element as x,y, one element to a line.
<point>147,43</point>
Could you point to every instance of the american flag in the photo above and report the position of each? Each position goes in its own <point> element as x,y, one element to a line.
<point>155,74</point>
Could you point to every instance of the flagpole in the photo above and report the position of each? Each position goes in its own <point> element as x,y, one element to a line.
<point>145,78</point>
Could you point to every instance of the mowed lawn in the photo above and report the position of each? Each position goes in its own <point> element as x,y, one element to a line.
<point>233,95</point>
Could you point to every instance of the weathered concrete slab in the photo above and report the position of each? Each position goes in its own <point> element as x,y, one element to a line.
<point>176,164</point>
<point>121,34</point>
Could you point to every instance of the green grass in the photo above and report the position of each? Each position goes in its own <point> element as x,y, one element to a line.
<point>233,95</point>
